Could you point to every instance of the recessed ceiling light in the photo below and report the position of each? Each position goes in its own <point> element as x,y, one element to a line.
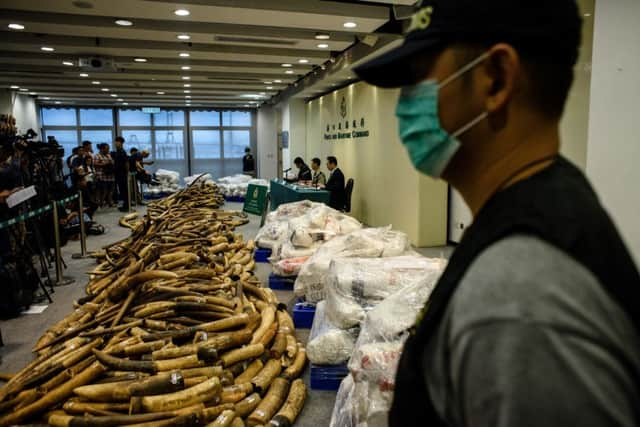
<point>16,26</point>
<point>58,102</point>
<point>24,89</point>
<point>303,61</point>
<point>47,49</point>
<point>186,67</point>
<point>119,99</point>
<point>349,24</point>
<point>587,15</point>
<point>268,83</point>
<point>322,36</point>
<point>140,59</point>
<point>160,93</point>
<point>46,98</point>
<point>289,72</point>
<point>323,46</point>
<point>277,81</point>
<point>84,75</point>
<point>113,95</point>
<point>287,65</point>
<point>187,96</point>
<point>263,93</point>
<point>184,36</point>
<point>184,54</point>
<point>95,83</point>
<point>15,87</point>
<point>104,89</point>
<point>67,63</point>
<point>187,91</point>
<point>125,103</point>
<point>33,93</point>
<point>124,22</point>
<point>182,12</point>
<point>186,78</point>
<point>186,85</point>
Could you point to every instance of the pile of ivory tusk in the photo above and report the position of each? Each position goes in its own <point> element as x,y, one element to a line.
<point>174,331</point>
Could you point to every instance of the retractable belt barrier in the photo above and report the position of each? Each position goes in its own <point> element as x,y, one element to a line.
<point>34,213</point>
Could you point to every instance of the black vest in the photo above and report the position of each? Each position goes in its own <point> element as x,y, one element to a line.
<point>557,205</point>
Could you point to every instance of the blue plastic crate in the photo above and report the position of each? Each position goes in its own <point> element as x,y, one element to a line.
<point>303,313</point>
<point>326,377</point>
<point>236,199</point>
<point>281,283</point>
<point>262,255</point>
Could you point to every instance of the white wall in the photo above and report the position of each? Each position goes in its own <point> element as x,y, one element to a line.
<point>614,121</point>
<point>23,108</point>
<point>267,130</point>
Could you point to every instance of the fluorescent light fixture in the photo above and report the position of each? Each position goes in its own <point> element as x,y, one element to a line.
<point>95,83</point>
<point>67,63</point>
<point>15,87</point>
<point>186,85</point>
<point>269,87</point>
<point>186,78</point>
<point>47,49</point>
<point>46,98</point>
<point>303,61</point>
<point>323,46</point>
<point>184,54</point>
<point>268,83</point>
<point>58,102</point>
<point>263,93</point>
<point>187,91</point>
<point>113,95</point>
<point>124,22</point>
<point>287,65</point>
<point>140,59</point>
<point>186,68</point>
<point>322,36</point>
<point>33,93</point>
<point>187,96</point>
<point>120,100</point>
<point>84,75</point>
<point>184,36</point>
<point>289,72</point>
<point>104,89</point>
<point>125,103</point>
<point>349,24</point>
<point>182,12</point>
<point>24,89</point>
<point>16,26</point>
<point>277,81</point>
<point>160,93</point>
<point>587,15</point>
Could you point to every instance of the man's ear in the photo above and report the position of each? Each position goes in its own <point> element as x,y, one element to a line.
<point>500,73</point>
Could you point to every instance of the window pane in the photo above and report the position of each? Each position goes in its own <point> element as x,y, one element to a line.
<point>67,138</point>
<point>236,118</point>
<point>96,117</point>
<point>134,118</point>
<point>97,137</point>
<point>169,145</point>
<point>206,144</point>
<point>204,118</point>
<point>140,139</point>
<point>58,117</point>
<point>235,141</point>
<point>169,118</point>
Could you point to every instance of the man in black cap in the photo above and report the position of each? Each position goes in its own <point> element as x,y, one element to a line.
<point>535,320</point>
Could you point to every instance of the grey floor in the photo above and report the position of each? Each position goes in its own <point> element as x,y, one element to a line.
<point>21,333</point>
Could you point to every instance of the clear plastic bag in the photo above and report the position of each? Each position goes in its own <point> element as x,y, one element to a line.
<point>289,266</point>
<point>364,243</point>
<point>328,344</point>
<point>356,285</point>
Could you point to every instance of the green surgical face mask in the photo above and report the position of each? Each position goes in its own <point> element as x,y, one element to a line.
<point>430,147</point>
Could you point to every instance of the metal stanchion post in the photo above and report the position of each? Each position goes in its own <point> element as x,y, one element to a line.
<point>83,233</point>
<point>60,279</point>
<point>134,184</point>
<point>129,192</point>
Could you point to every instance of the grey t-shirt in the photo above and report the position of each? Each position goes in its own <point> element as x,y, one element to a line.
<point>531,338</point>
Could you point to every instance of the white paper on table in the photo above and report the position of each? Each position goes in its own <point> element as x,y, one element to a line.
<point>35,309</point>
<point>21,196</point>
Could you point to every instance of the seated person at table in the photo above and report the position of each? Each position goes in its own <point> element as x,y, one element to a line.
<point>335,185</point>
<point>304,173</point>
<point>318,178</point>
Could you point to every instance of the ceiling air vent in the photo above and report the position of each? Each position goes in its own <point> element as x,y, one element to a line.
<point>254,40</point>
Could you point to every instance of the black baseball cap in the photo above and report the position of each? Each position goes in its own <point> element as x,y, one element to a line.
<point>549,30</point>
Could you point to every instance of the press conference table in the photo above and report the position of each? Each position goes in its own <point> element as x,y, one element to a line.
<point>283,192</point>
